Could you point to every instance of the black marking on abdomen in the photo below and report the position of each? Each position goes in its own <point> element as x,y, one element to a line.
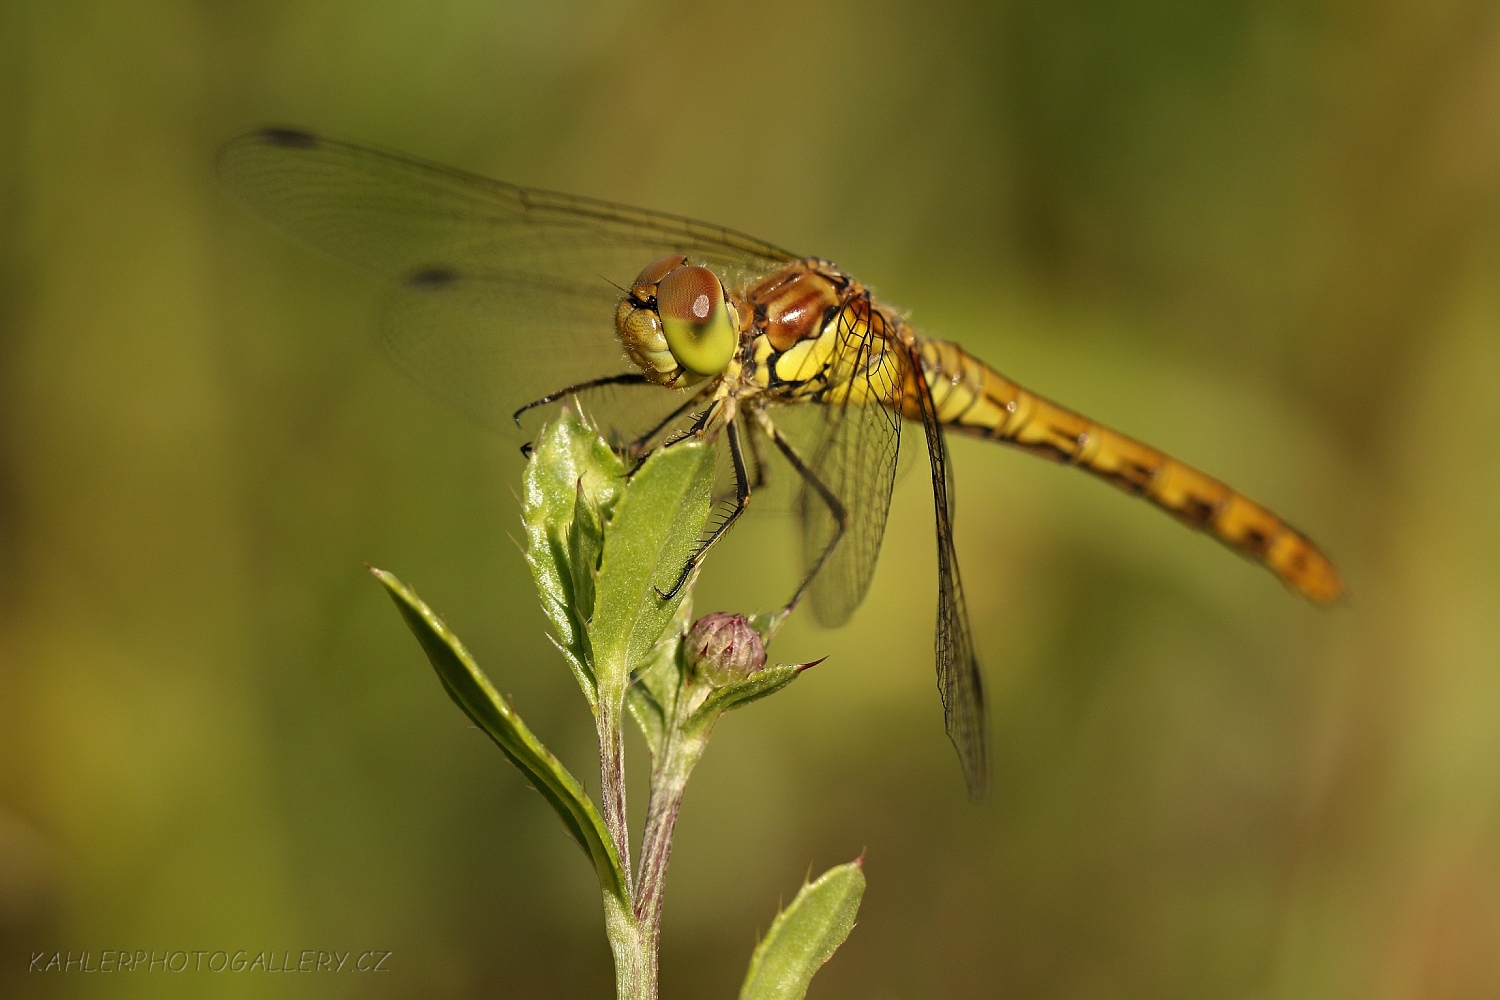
<point>1046,449</point>
<point>1255,542</point>
<point>1123,482</point>
<point>1197,511</point>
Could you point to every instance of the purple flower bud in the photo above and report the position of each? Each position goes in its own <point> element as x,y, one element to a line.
<point>724,648</point>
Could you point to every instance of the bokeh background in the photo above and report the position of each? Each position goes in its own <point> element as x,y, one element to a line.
<point>1261,235</point>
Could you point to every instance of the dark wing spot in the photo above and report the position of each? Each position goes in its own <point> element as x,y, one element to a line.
<point>289,138</point>
<point>430,279</point>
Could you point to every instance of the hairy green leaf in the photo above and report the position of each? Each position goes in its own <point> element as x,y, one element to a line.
<point>572,469</point>
<point>585,542</point>
<point>759,684</point>
<point>467,685</point>
<point>648,540</point>
<point>805,935</point>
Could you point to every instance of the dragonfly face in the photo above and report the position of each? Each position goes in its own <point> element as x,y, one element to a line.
<point>500,293</point>
<point>675,323</point>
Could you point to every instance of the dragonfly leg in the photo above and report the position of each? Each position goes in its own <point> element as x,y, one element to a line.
<point>628,378</point>
<point>695,429</point>
<point>741,501</point>
<point>753,434</point>
<point>638,448</point>
<point>835,507</point>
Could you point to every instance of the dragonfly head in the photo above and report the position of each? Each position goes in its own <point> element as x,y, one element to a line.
<point>675,323</point>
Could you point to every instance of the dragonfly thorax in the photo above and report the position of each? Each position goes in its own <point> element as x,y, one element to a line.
<point>675,324</point>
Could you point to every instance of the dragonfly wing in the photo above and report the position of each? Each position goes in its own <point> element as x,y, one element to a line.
<point>399,216</point>
<point>856,459</point>
<point>960,681</point>
<point>487,344</point>
<point>486,270</point>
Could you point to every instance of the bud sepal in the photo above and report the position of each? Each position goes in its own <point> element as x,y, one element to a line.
<point>767,680</point>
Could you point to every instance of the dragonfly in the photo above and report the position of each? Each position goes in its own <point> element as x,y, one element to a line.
<point>505,298</point>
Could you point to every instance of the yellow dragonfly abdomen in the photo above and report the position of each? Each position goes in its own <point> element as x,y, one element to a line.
<point>973,398</point>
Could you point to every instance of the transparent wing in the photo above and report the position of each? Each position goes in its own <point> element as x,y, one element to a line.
<point>856,457</point>
<point>504,293</point>
<point>489,344</point>
<point>960,681</point>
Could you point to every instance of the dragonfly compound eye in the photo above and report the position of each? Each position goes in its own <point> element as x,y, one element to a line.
<point>657,270</point>
<point>695,320</point>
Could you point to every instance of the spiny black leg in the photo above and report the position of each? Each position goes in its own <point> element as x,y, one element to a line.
<point>741,501</point>
<point>835,507</point>
<point>629,378</point>
<point>695,429</point>
<point>640,445</point>
<point>753,434</point>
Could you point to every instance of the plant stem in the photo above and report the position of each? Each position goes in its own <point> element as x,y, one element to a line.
<point>635,931</point>
<point>669,777</point>
<point>634,950</point>
<point>612,774</point>
<point>635,957</point>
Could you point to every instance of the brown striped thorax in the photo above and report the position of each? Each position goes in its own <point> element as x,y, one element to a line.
<point>804,331</point>
<point>817,335</point>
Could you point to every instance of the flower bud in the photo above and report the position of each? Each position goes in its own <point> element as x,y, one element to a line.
<point>723,648</point>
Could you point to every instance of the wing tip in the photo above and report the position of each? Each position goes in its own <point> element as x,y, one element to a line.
<point>238,159</point>
<point>978,780</point>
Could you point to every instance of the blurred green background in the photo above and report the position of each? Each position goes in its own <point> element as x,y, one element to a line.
<point>1261,235</point>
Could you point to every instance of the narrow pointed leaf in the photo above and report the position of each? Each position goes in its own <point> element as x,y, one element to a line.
<point>759,684</point>
<point>652,696</point>
<point>805,935</point>
<point>654,529</point>
<point>650,717</point>
<point>467,685</point>
<point>585,541</point>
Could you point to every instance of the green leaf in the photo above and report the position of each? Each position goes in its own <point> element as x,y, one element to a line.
<point>585,541</point>
<point>805,935</point>
<point>571,468</point>
<point>655,527</point>
<point>766,681</point>
<point>652,696</point>
<point>471,691</point>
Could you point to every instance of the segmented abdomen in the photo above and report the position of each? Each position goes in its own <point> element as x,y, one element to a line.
<point>973,398</point>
